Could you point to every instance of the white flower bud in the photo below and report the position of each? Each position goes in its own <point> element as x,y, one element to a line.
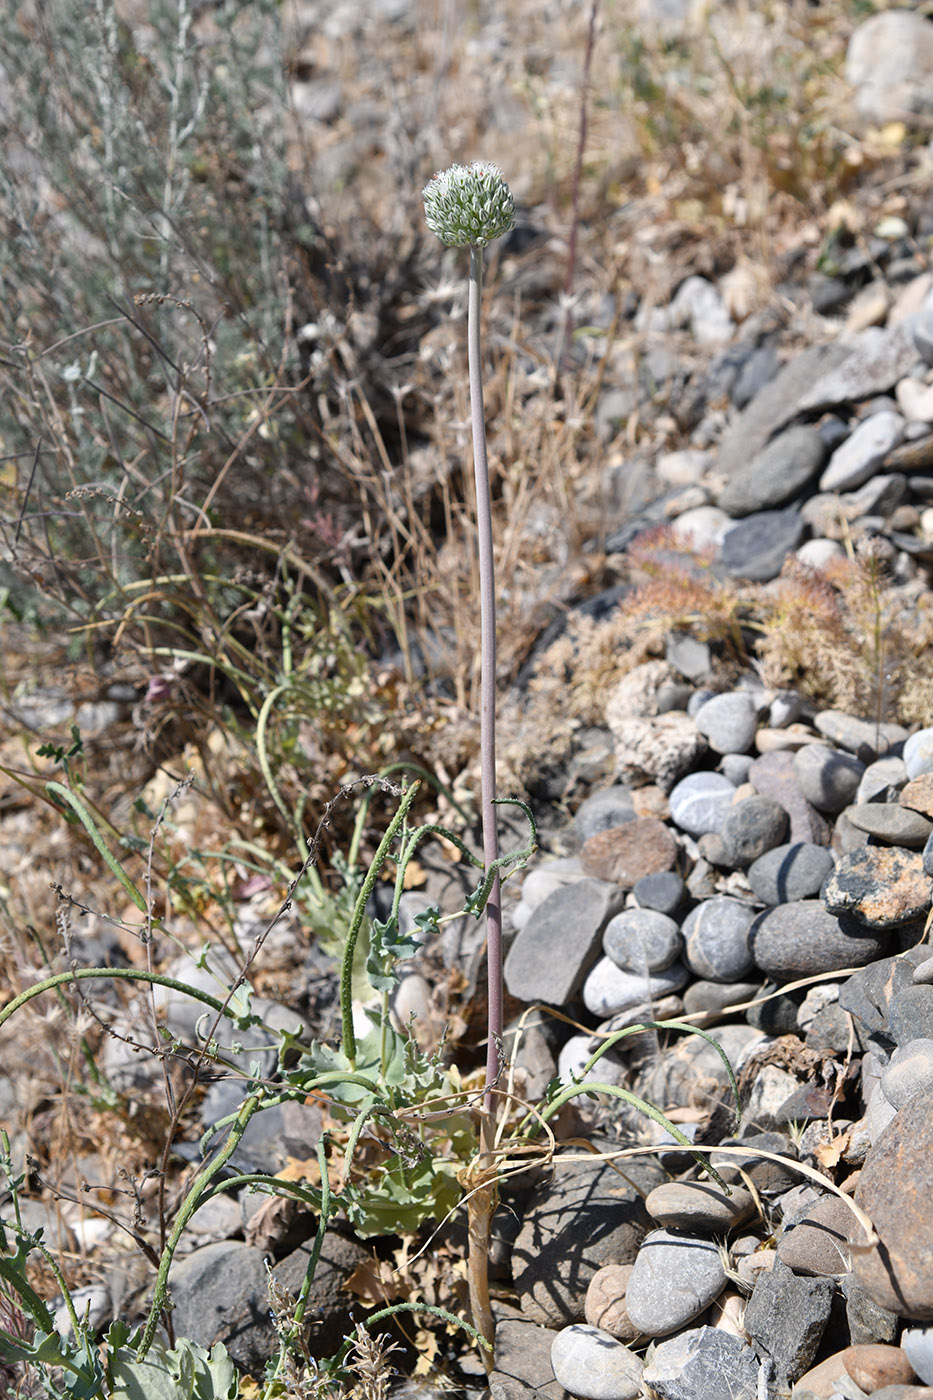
<point>469,204</point>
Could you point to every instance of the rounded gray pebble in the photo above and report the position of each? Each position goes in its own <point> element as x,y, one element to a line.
<point>827,778</point>
<point>797,940</point>
<point>879,778</point>
<point>789,872</point>
<point>592,1365</point>
<point>728,722</point>
<point>735,766</point>
<point>608,990</point>
<point>751,827</point>
<point>909,1072</point>
<point>698,1206</point>
<point>756,548</point>
<point>642,940</point>
<point>716,935</point>
<point>895,825</point>
<point>714,997</point>
<point>699,802</point>
<point>675,1278</point>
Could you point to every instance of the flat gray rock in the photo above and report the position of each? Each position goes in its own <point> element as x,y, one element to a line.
<point>857,459</point>
<point>894,1190</point>
<point>776,404</point>
<point>891,823</point>
<point>777,474</point>
<point>874,364</point>
<point>608,990</point>
<point>560,943</point>
<point>522,1362</point>
<point>756,548</point>
<point>699,1206</point>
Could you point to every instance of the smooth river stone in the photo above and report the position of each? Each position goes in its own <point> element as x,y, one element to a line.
<point>592,1365</point>
<point>716,934</point>
<point>699,1206</point>
<point>642,940</point>
<point>728,722</point>
<point>608,990</point>
<point>675,1278</point>
<point>829,779</point>
<point>896,825</point>
<point>799,940</point>
<point>700,802</point>
<point>790,872</point>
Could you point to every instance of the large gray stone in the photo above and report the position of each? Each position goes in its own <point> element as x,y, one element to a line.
<point>592,1365</point>
<point>894,1189</point>
<point>561,942</point>
<point>798,940</point>
<point>775,475</point>
<point>220,1293</point>
<point>776,404</point>
<point>874,364</point>
<point>676,1277</point>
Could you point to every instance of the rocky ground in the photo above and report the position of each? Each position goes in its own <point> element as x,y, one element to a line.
<point>736,832</point>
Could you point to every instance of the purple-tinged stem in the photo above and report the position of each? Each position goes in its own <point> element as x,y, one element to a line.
<point>487,594</point>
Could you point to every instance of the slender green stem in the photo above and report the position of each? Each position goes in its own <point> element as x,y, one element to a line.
<point>190,1204</point>
<point>487,592</point>
<point>130,974</point>
<point>372,875</point>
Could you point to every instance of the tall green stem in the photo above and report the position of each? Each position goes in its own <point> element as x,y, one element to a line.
<point>487,606</point>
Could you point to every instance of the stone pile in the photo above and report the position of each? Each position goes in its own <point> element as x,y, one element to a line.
<point>784,860</point>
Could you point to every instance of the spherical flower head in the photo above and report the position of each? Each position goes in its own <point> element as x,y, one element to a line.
<point>469,204</point>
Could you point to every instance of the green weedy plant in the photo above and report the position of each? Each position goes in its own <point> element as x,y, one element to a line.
<point>380,1083</point>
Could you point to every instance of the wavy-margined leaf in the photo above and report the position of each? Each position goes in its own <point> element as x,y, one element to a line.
<point>186,1372</point>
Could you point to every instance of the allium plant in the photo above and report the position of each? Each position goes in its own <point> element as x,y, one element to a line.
<point>469,206</point>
